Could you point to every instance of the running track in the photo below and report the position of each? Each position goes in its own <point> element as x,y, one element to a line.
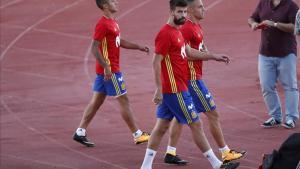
<point>47,71</point>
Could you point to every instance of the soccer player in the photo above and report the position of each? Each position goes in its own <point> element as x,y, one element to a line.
<point>171,95</point>
<point>109,80</point>
<point>203,100</point>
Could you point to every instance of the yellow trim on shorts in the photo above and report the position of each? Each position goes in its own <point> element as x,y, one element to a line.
<point>116,85</point>
<point>183,108</point>
<point>200,95</point>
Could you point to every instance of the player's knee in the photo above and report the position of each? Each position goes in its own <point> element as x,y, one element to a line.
<point>213,116</point>
<point>162,129</point>
<point>195,125</point>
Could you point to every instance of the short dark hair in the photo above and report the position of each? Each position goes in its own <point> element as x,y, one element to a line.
<point>100,3</point>
<point>176,3</point>
<point>190,1</point>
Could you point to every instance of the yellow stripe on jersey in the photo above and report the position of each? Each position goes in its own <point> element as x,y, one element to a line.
<point>171,74</point>
<point>200,96</point>
<point>192,70</point>
<point>115,82</point>
<point>105,51</point>
<point>183,108</point>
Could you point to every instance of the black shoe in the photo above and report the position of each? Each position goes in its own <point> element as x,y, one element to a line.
<point>170,159</point>
<point>83,140</point>
<point>290,124</point>
<point>230,165</point>
<point>271,122</point>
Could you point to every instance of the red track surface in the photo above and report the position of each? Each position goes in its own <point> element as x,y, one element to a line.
<point>46,72</point>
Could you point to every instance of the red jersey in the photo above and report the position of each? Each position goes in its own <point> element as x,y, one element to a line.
<point>170,44</point>
<point>193,36</point>
<point>107,32</point>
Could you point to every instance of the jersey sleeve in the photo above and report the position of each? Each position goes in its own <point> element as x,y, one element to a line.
<point>162,44</point>
<point>292,12</point>
<point>187,35</point>
<point>255,15</point>
<point>100,31</point>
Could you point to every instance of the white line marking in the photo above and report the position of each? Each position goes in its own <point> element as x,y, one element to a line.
<point>41,102</point>
<point>47,31</point>
<point>213,4</point>
<point>36,161</point>
<point>6,107</point>
<point>38,75</point>
<point>48,53</point>
<point>10,3</point>
<point>62,33</point>
<point>34,25</point>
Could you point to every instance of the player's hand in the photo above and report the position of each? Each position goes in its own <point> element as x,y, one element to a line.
<point>254,26</point>
<point>144,49</point>
<point>157,98</point>
<point>222,58</point>
<point>268,23</point>
<point>107,73</point>
<point>262,26</point>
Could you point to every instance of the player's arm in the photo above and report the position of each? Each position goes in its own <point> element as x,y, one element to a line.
<point>129,45</point>
<point>285,27</point>
<point>194,54</point>
<point>205,49</point>
<point>255,19</point>
<point>156,63</point>
<point>252,23</point>
<point>100,59</point>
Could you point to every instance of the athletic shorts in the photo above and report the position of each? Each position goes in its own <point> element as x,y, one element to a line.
<point>113,87</point>
<point>178,105</point>
<point>202,98</point>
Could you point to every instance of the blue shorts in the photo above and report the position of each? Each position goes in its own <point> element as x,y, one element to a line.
<point>178,105</point>
<point>202,98</point>
<point>113,87</point>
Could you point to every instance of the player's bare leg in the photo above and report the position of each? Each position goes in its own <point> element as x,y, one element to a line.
<point>89,113</point>
<point>175,132</point>
<point>158,132</point>
<point>216,131</point>
<point>202,143</point>
<point>215,127</point>
<point>127,115</point>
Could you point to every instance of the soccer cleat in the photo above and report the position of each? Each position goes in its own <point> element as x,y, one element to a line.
<point>290,124</point>
<point>171,159</point>
<point>231,155</point>
<point>83,140</point>
<point>230,165</point>
<point>142,139</point>
<point>271,122</point>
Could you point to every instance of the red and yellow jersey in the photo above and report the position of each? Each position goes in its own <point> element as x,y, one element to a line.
<point>170,44</point>
<point>107,32</point>
<point>193,36</point>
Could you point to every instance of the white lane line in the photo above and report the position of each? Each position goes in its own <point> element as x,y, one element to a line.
<point>62,33</point>
<point>6,107</point>
<point>34,25</point>
<point>37,75</point>
<point>249,114</point>
<point>10,3</point>
<point>47,53</point>
<point>40,102</point>
<point>213,4</point>
<point>72,35</point>
<point>36,161</point>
